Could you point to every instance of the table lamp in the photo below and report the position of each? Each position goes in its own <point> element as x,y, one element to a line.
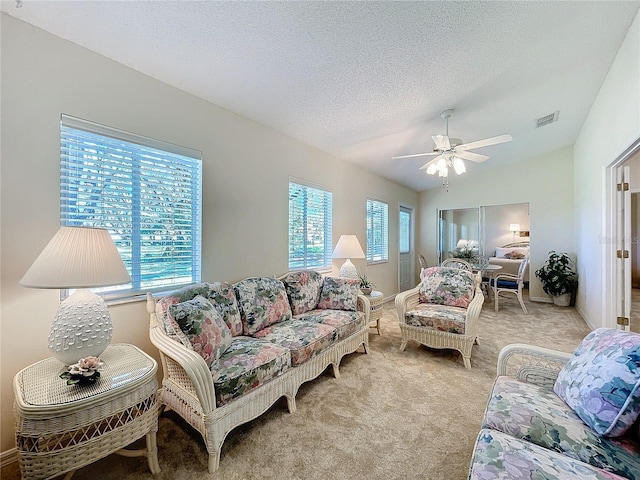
<point>348,247</point>
<point>514,228</point>
<point>78,258</point>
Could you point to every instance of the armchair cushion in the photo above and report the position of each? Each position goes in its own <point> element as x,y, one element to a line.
<point>204,327</point>
<point>263,302</point>
<point>303,289</point>
<point>447,286</point>
<point>536,414</point>
<point>339,294</point>
<point>601,382</point>
<point>438,317</point>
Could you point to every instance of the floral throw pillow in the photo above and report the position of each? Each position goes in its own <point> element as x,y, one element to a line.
<point>203,325</point>
<point>303,289</point>
<point>263,301</point>
<point>601,382</point>
<point>446,286</point>
<point>223,298</point>
<point>171,328</point>
<point>339,294</point>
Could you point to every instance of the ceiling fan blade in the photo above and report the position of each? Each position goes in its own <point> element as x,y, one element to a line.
<point>474,157</point>
<point>486,142</point>
<point>442,142</point>
<point>415,155</point>
<point>426,165</point>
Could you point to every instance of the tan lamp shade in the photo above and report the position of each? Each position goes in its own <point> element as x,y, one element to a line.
<point>77,257</point>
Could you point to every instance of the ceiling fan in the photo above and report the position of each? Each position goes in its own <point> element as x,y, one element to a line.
<point>451,151</point>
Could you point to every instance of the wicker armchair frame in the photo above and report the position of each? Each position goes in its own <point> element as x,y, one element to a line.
<point>187,385</point>
<point>409,299</point>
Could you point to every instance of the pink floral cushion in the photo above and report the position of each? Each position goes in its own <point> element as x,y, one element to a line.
<point>447,286</point>
<point>303,288</point>
<point>263,301</point>
<point>339,294</point>
<point>203,325</point>
<point>223,298</point>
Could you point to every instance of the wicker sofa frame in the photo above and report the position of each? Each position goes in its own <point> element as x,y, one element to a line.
<point>408,300</point>
<point>187,385</point>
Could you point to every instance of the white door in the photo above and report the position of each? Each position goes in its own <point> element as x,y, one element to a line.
<point>405,245</point>
<point>623,247</point>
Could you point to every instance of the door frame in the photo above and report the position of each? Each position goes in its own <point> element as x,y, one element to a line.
<point>412,241</point>
<point>612,289</point>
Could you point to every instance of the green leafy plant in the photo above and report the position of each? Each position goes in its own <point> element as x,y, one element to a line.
<point>557,274</point>
<point>364,281</point>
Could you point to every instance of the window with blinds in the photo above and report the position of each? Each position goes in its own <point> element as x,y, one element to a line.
<point>147,193</point>
<point>377,231</point>
<point>309,227</point>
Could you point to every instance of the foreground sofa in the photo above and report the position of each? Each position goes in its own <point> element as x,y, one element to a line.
<point>229,352</point>
<point>554,415</point>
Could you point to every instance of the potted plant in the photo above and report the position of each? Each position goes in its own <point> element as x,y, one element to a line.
<point>558,277</point>
<point>366,285</point>
<point>466,250</point>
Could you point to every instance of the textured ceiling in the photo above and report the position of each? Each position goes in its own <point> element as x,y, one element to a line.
<point>363,80</point>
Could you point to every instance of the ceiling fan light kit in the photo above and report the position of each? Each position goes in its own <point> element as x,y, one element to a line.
<point>451,152</point>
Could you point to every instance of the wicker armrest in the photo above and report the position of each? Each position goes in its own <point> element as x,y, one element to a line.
<point>364,305</point>
<point>191,362</point>
<point>532,364</point>
<point>407,300</point>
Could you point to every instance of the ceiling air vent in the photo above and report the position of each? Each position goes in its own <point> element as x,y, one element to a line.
<point>547,119</point>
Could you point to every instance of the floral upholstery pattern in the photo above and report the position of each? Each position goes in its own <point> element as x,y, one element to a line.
<point>537,415</point>
<point>601,382</point>
<point>345,322</point>
<point>303,339</point>
<point>223,298</point>
<point>339,294</point>
<point>247,364</point>
<point>303,289</point>
<point>171,328</point>
<point>263,302</point>
<point>437,317</point>
<point>501,456</point>
<point>447,286</point>
<point>204,327</point>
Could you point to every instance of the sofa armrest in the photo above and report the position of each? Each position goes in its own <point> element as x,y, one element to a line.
<point>194,374</point>
<point>532,364</point>
<point>364,305</point>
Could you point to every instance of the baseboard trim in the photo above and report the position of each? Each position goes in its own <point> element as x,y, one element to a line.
<point>8,457</point>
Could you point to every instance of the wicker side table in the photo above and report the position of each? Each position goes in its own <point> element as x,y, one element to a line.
<point>375,314</point>
<point>60,428</point>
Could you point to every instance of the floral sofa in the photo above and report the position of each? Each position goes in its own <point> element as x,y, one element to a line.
<point>229,352</point>
<point>442,311</point>
<point>553,415</point>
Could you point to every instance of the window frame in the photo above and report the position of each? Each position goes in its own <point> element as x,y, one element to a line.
<point>145,167</point>
<point>383,231</point>
<point>327,220</point>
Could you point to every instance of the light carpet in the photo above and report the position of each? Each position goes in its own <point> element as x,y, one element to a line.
<point>390,415</point>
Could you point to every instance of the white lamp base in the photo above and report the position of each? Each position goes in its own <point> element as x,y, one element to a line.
<point>348,270</point>
<point>82,327</point>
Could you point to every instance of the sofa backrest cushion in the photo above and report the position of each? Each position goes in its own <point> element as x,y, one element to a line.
<point>203,325</point>
<point>339,294</point>
<point>303,289</point>
<point>223,298</point>
<point>171,328</point>
<point>447,286</point>
<point>601,382</point>
<point>263,302</point>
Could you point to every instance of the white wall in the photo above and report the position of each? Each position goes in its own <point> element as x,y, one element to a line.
<point>612,125</point>
<point>544,182</point>
<point>246,169</point>
<point>497,219</point>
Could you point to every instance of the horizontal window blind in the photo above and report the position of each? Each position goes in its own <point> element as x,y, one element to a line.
<point>309,227</point>
<point>148,194</point>
<point>377,231</point>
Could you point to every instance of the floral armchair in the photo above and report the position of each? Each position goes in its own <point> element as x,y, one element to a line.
<point>442,311</point>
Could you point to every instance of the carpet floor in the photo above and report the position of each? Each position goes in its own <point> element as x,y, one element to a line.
<point>390,415</point>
